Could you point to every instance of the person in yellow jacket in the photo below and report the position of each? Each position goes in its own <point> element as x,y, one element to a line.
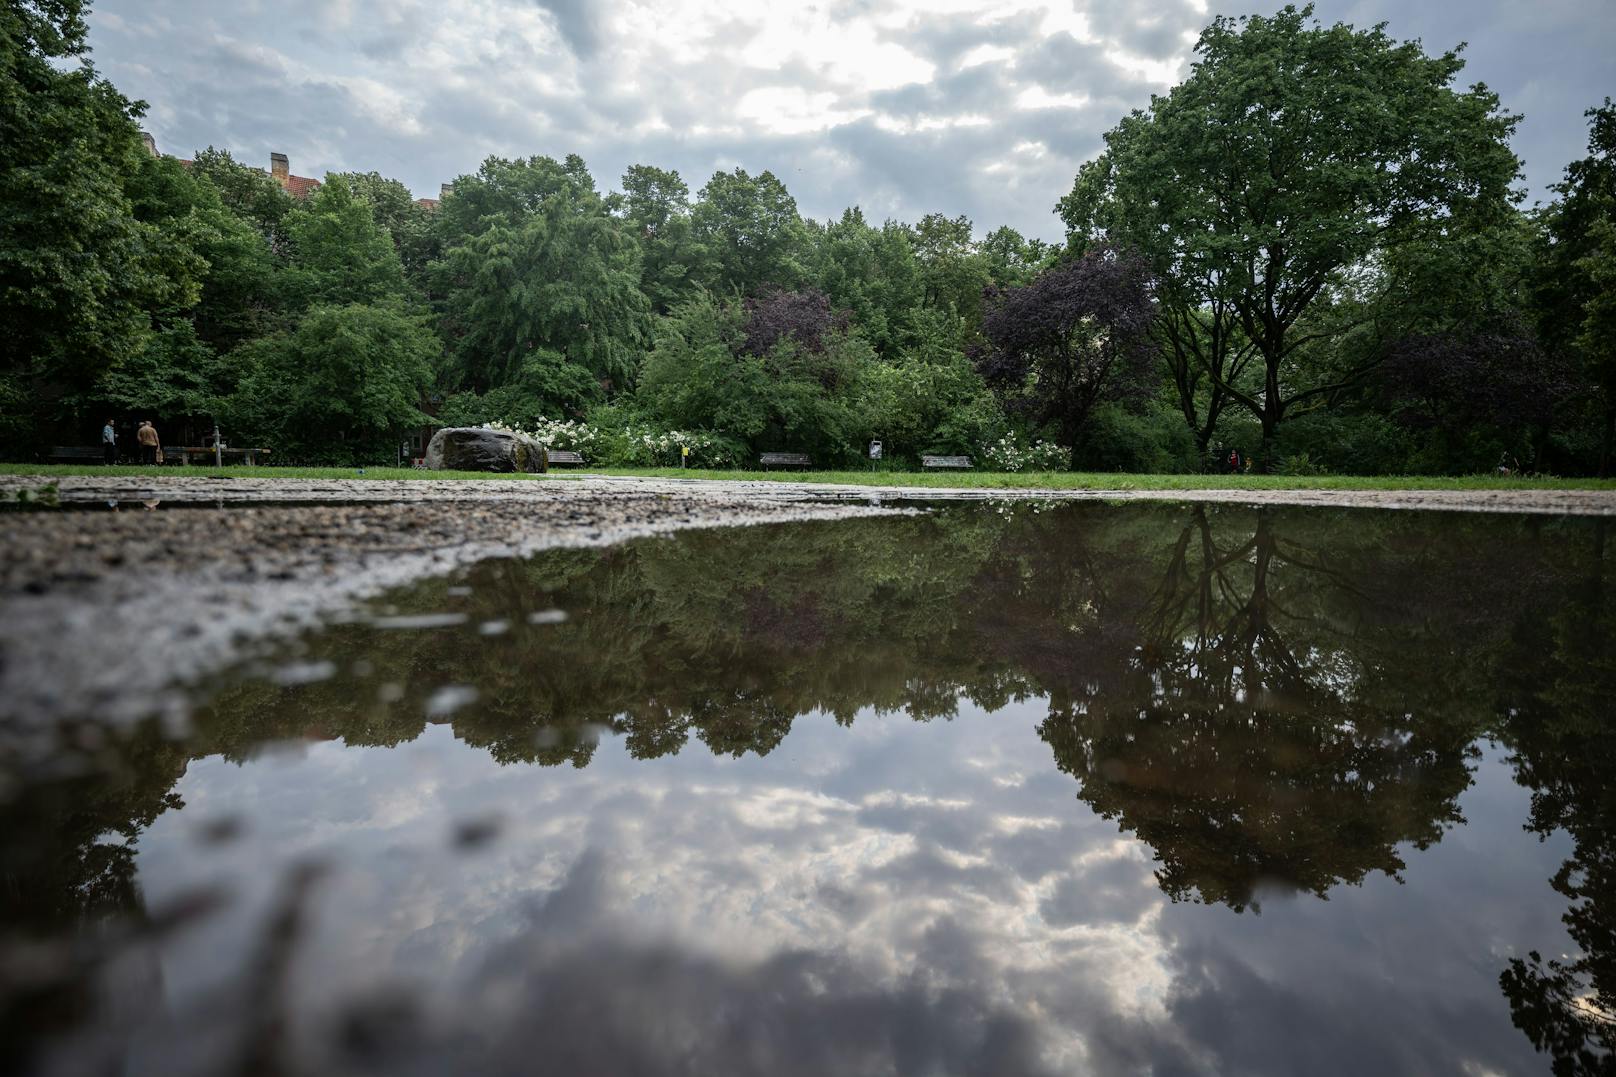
<point>150,444</point>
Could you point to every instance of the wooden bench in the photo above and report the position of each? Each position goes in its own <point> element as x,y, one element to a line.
<point>203,454</point>
<point>784,459</point>
<point>564,457</point>
<point>73,454</point>
<point>931,463</point>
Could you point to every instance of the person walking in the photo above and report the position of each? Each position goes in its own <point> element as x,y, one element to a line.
<point>149,443</point>
<point>109,444</point>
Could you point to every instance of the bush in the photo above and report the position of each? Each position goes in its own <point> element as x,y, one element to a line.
<point>1299,465</point>
<point>1013,453</point>
<point>1348,444</point>
<point>1153,442</point>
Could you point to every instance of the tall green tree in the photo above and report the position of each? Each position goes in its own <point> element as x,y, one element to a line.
<point>750,230</point>
<point>1577,276</point>
<point>655,205</point>
<point>1293,154</point>
<point>564,279</point>
<point>337,252</point>
<point>953,272</point>
<point>872,273</point>
<point>78,270</point>
<point>250,193</point>
<point>508,192</point>
<point>340,387</point>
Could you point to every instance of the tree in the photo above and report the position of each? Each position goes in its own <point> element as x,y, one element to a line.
<point>250,193</point>
<point>338,253</point>
<point>780,374</point>
<point>340,387</point>
<point>78,270</point>
<point>655,203</point>
<point>1577,277</point>
<point>954,275</point>
<point>1057,346</point>
<point>565,279</point>
<point>1484,392</point>
<point>804,318</point>
<point>871,273</point>
<point>750,231</point>
<point>508,192</point>
<point>1291,155</point>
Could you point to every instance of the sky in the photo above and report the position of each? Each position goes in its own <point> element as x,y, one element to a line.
<point>978,107</point>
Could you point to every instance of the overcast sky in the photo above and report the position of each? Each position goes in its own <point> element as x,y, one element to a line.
<point>901,106</point>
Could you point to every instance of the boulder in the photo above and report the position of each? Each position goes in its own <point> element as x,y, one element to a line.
<point>471,448</point>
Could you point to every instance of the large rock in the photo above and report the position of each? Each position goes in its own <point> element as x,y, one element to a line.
<point>471,448</point>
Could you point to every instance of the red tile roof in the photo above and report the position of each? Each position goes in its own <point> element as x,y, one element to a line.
<point>427,203</point>
<point>300,186</point>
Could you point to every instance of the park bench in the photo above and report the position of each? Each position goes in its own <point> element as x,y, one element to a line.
<point>564,457</point>
<point>784,459</point>
<point>931,463</point>
<point>70,454</point>
<point>203,454</point>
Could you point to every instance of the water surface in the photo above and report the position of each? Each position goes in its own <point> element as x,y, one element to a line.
<point>997,789</point>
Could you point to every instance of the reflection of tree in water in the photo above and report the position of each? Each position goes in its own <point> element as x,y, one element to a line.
<point>1236,739</point>
<point>1563,730</point>
<point>67,863</point>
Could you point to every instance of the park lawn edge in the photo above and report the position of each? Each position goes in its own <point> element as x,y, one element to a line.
<point>1047,480</point>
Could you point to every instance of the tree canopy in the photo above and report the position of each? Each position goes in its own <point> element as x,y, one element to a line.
<point>1309,252</point>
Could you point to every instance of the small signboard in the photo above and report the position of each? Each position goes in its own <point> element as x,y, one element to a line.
<point>875,450</point>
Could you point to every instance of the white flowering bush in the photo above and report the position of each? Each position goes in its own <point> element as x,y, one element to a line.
<point>1013,454</point>
<point>665,448</point>
<point>633,446</point>
<point>565,434</point>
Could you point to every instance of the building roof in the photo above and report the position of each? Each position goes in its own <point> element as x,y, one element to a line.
<point>299,186</point>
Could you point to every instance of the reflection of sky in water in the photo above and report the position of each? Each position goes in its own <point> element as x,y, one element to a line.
<point>894,896</point>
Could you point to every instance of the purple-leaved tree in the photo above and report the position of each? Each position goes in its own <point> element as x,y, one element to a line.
<point>1077,335</point>
<point>805,317</point>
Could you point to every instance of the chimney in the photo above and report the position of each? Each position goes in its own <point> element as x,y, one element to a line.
<point>151,143</point>
<point>445,190</point>
<point>280,168</point>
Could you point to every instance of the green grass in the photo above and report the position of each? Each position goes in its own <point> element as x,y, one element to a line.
<point>971,479</point>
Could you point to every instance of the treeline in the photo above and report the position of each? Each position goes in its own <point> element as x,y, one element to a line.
<point>1311,253</point>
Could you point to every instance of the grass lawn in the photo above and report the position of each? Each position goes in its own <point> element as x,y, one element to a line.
<point>1046,480</point>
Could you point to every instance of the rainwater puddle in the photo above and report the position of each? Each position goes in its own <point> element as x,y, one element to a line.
<point>1000,788</point>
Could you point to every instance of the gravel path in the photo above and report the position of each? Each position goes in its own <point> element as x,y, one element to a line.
<point>232,490</point>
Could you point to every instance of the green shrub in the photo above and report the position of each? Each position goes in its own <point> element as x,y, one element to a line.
<point>1152,442</point>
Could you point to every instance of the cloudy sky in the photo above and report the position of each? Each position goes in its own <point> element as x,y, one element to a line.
<point>981,107</point>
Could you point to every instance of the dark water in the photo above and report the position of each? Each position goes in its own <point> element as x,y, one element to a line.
<point>1079,789</point>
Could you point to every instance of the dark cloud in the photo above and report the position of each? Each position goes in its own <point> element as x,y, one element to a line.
<point>579,24</point>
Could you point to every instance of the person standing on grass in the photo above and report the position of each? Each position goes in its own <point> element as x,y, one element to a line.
<point>147,436</point>
<point>109,444</point>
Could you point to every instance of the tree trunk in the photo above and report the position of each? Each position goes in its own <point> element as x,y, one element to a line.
<point>1608,442</point>
<point>1271,411</point>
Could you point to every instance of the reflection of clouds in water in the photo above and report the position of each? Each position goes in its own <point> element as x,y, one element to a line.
<point>900,897</point>
<point>891,896</point>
